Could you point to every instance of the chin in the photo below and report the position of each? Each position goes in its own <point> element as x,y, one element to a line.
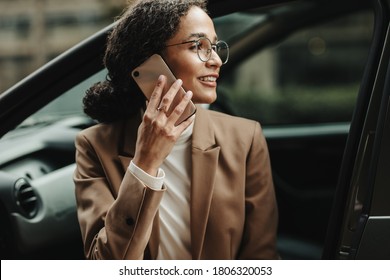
<point>204,99</point>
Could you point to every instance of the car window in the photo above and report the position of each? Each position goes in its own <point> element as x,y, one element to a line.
<point>313,76</point>
<point>67,105</point>
<point>234,24</point>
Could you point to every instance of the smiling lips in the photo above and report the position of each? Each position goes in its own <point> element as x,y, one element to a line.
<point>208,79</point>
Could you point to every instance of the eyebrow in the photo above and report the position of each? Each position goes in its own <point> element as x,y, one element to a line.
<point>199,35</point>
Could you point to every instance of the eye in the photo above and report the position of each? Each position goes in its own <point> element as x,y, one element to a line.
<point>193,47</point>
<point>200,45</point>
<point>196,45</point>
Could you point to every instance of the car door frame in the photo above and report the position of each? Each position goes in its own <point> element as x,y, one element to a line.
<point>355,215</point>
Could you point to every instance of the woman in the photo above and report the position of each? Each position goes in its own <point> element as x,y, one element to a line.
<point>147,189</point>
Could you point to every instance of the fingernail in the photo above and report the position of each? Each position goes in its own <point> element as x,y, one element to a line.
<point>189,94</point>
<point>179,81</point>
<point>161,78</point>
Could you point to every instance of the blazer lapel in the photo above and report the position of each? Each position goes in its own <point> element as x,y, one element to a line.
<point>205,154</point>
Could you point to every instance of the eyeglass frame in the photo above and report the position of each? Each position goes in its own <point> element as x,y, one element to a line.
<point>213,48</point>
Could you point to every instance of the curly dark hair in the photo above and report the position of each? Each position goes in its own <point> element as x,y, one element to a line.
<point>142,30</point>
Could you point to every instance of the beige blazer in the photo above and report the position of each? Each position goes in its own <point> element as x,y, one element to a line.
<point>233,206</point>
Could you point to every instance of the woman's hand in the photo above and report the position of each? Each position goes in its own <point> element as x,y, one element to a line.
<point>157,134</point>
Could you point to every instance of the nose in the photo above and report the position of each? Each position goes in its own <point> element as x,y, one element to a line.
<point>215,60</point>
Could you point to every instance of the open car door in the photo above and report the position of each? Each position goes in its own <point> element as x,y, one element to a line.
<point>359,226</point>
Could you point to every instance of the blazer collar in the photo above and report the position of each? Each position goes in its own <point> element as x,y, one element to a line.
<point>203,138</point>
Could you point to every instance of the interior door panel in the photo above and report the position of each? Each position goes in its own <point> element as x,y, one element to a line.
<point>305,164</point>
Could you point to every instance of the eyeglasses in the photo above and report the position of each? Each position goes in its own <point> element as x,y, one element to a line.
<point>204,48</point>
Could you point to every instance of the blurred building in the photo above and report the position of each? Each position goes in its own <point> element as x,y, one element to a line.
<point>34,31</point>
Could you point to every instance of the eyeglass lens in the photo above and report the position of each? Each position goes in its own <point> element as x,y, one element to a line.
<point>205,48</point>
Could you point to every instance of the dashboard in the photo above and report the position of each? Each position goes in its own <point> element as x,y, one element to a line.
<point>38,207</point>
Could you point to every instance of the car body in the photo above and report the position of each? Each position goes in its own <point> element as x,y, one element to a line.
<point>330,156</point>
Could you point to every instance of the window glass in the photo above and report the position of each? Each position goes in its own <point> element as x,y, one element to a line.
<point>67,105</point>
<point>313,76</point>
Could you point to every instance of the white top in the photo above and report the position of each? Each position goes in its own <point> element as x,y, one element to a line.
<point>174,211</point>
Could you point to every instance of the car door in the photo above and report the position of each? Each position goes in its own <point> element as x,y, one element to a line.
<point>360,222</point>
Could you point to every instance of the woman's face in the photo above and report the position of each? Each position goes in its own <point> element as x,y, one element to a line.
<point>198,76</point>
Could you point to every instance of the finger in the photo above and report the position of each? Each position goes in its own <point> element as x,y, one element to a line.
<point>155,98</point>
<point>168,97</point>
<point>183,125</point>
<point>180,108</point>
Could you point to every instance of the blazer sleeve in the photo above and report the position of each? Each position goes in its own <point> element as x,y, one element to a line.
<point>112,227</point>
<point>259,240</point>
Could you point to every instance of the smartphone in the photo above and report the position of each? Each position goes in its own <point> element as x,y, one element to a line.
<point>146,75</point>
